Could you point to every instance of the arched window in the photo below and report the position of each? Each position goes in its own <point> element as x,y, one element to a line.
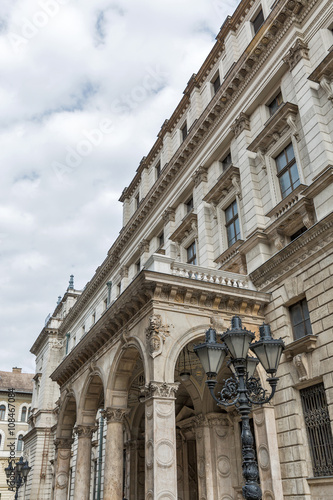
<point>20,443</point>
<point>2,412</point>
<point>24,414</point>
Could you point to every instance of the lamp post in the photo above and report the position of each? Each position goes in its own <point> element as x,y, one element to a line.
<point>242,389</point>
<point>16,476</point>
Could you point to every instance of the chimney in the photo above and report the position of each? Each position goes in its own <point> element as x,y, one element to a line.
<point>16,370</point>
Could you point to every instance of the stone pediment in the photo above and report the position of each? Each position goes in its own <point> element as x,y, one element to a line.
<point>227,181</point>
<point>283,119</point>
<point>188,225</point>
<point>323,74</point>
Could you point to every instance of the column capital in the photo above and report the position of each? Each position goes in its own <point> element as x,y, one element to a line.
<point>85,431</point>
<point>63,443</point>
<point>115,414</point>
<point>161,390</point>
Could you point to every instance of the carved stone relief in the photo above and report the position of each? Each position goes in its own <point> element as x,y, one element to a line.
<point>156,334</point>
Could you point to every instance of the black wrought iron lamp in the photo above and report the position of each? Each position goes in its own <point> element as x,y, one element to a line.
<point>17,476</point>
<point>242,389</point>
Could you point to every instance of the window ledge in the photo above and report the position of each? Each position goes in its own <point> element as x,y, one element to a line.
<point>229,179</point>
<point>283,118</point>
<point>320,480</point>
<point>303,345</point>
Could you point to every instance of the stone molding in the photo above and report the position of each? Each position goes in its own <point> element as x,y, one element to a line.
<point>298,51</point>
<point>169,215</point>
<point>63,443</point>
<point>156,334</point>
<point>240,124</point>
<point>200,175</point>
<point>123,272</point>
<point>84,431</point>
<point>305,246</point>
<point>228,180</point>
<point>323,74</point>
<point>143,247</point>
<point>188,225</point>
<point>285,14</point>
<point>117,415</point>
<point>161,390</point>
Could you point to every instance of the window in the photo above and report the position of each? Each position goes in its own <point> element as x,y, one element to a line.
<point>274,105</point>
<point>24,414</point>
<point>138,266</point>
<point>189,205</point>
<point>232,223</point>
<point>29,412</point>
<point>226,162</point>
<point>184,131</point>
<point>191,254</point>
<point>158,170</point>
<point>287,170</point>
<point>137,201</point>
<point>216,83</point>
<point>19,446</point>
<point>93,318</point>
<point>300,319</point>
<point>2,412</point>
<point>258,21</point>
<point>318,427</point>
<point>298,233</point>
<point>119,288</point>
<point>161,239</point>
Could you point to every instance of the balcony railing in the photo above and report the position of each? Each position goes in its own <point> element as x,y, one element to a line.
<point>167,265</point>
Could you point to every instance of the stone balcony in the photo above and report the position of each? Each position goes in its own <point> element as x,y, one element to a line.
<point>163,264</point>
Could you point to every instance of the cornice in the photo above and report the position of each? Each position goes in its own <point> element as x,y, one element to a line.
<point>42,338</point>
<point>150,287</point>
<point>223,185</point>
<point>287,260</point>
<point>273,127</point>
<point>188,224</point>
<point>320,182</point>
<point>283,15</point>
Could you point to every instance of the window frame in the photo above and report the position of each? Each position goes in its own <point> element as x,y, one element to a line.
<point>287,168</point>
<point>271,101</point>
<point>184,131</point>
<point>302,304</point>
<point>189,204</point>
<point>23,417</point>
<point>223,159</point>
<point>19,442</point>
<point>255,27</point>
<point>3,408</point>
<point>232,223</point>
<point>158,169</point>
<point>193,258</point>
<point>216,83</point>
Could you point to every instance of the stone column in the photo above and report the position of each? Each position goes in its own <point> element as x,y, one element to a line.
<point>114,449</point>
<point>83,462</point>
<point>63,453</point>
<point>132,449</point>
<point>160,457</point>
<point>204,458</point>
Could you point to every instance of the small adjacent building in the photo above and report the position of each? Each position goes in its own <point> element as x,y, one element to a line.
<point>15,404</point>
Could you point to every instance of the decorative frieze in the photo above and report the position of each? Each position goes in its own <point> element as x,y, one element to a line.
<point>298,51</point>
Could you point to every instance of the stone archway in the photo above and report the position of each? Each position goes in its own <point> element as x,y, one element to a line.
<point>63,446</point>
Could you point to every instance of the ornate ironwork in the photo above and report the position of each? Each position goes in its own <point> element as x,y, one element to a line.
<point>318,425</point>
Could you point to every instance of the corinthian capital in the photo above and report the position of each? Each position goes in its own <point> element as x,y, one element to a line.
<point>63,443</point>
<point>115,414</point>
<point>84,430</point>
<point>161,390</point>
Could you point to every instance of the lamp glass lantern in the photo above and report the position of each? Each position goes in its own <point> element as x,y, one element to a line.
<point>237,339</point>
<point>211,353</point>
<point>268,350</point>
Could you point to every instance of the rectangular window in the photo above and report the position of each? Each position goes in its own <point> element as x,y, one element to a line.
<point>137,201</point>
<point>189,205</point>
<point>158,170</point>
<point>119,289</point>
<point>161,239</point>
<point>93,318</point>
<point>274,105</point>
<point>287,170</point>
<point>258,21</point>
<point>216,83</point>
<point>232,223</point>
<point>318,426</point>
<point>226,162</point>
<point>184,131</point>
<point>191,254</point>
<point>300,319</point>
<point>138,266</point>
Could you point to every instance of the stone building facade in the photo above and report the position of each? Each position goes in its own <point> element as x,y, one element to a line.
<point>229,213</point>
<point>15,409</point>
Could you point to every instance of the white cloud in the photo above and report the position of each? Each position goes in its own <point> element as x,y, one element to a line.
<point>67,66</point>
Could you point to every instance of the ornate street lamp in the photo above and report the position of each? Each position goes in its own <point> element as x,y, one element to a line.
<point>16,476</point>
<point>242,390</point>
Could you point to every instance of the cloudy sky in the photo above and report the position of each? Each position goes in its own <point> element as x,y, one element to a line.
<point>85,87</point>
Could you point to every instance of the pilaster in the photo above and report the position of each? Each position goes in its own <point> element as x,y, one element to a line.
<point>161,458</point>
